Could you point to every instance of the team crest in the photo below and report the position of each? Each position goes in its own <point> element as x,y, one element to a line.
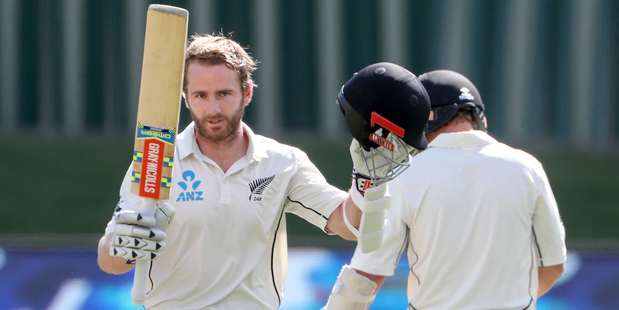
<point>257,187</point>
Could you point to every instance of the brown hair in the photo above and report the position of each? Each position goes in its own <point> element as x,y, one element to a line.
<point>464,115</point>
<point>218,49</point>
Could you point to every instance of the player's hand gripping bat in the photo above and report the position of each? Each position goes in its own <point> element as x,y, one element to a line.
<point>157,120</point>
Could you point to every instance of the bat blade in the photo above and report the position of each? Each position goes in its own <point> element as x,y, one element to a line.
<point>163,65</point>
<point>159,100</point>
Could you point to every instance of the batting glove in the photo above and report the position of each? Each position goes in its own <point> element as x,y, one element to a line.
<point>376,166</point>
<point>140,237</point>
<point>371,170</point>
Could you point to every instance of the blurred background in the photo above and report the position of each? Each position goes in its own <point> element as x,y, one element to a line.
<point>69,84</point>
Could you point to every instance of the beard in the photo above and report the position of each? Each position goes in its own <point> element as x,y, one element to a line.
<point>228,130</point>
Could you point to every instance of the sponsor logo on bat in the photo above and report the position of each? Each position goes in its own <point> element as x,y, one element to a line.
<point>150,179</point>
<point>162,133</point>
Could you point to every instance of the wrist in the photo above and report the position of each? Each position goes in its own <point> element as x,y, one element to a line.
<point>356,195</point>
<point>360,181</point>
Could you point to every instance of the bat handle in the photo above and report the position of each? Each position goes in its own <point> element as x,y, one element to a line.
<point>140,276</point>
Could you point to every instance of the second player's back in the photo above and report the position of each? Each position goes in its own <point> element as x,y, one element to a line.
<point>469,211</point>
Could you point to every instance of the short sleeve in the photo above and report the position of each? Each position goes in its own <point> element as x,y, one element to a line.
<point>549,232</point>
<point>310,196</point>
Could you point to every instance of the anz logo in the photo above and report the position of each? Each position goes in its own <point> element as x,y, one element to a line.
<point>189,186</point>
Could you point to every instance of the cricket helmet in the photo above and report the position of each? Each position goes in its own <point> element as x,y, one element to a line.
<point>450,92</point>
<point>383,99</point>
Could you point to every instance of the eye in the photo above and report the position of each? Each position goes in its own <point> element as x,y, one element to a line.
<point>200,95</point>
<point>224,93</point>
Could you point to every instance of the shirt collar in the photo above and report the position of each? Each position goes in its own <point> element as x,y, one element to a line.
<point>187,144</point>
<point>462,139</point>
<point>256,149</point>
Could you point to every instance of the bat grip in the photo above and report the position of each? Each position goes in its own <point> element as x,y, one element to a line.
<point>140,276</point>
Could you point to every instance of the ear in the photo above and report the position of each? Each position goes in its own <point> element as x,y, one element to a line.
<point>185,97</point>
<point>249,93</point>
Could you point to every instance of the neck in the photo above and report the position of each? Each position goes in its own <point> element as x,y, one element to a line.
<point>451,127</point>
<point>227,151</point>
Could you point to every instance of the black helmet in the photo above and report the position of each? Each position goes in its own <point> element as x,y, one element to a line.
<point>385,95</point>
<point>450,92</point>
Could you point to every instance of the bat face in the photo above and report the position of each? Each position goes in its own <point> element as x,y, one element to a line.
<point>159,102</point>
<point>152,166</point>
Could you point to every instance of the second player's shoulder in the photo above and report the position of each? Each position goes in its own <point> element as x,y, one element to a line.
<point>425,160</point>
<point>517,155</point>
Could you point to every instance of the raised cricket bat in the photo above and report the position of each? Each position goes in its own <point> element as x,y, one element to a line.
<point>157,121</point>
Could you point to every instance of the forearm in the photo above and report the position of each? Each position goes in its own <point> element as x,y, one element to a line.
<point>353,214</point>
<point>544,286</point>
<point>379,280</point>
<point>108,263</point>
<point>366,217</point>
<point>548,276</point>
<point>336,224</point>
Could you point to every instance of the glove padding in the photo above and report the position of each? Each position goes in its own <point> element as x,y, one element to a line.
<point>375,162</point>
<point>372,224</point>
<point>351,291</point>
<point>140,237</point>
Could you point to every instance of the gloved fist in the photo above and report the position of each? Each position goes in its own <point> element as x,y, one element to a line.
<point>138,236</point>
<point>376,165</point>
<point>362,159</point>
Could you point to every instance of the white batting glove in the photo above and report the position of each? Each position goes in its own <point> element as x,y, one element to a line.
<point>140,237</point>
<point>361,171</point>
<point>378,165</point>
<point>371,170</point>
<point>375,163</point>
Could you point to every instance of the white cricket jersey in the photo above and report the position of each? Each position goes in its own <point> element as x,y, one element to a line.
<point>227,246</point>
<point>478,217</point>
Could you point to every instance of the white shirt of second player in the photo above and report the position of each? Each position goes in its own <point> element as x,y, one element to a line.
<point>494,192</point>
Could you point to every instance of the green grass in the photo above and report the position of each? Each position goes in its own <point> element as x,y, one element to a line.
<point>71,186</point>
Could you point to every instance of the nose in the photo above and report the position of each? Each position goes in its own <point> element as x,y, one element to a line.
<point>213,107</point>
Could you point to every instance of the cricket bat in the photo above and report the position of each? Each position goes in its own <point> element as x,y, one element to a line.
<point>159,103</point>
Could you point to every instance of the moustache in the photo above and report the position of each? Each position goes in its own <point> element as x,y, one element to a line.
<point>215,118</point>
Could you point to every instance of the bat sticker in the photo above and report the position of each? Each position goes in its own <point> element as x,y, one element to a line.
<point>161,133</point>
<point>152,164</point>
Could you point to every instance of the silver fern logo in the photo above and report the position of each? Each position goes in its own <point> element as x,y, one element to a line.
<point>257,187</point>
